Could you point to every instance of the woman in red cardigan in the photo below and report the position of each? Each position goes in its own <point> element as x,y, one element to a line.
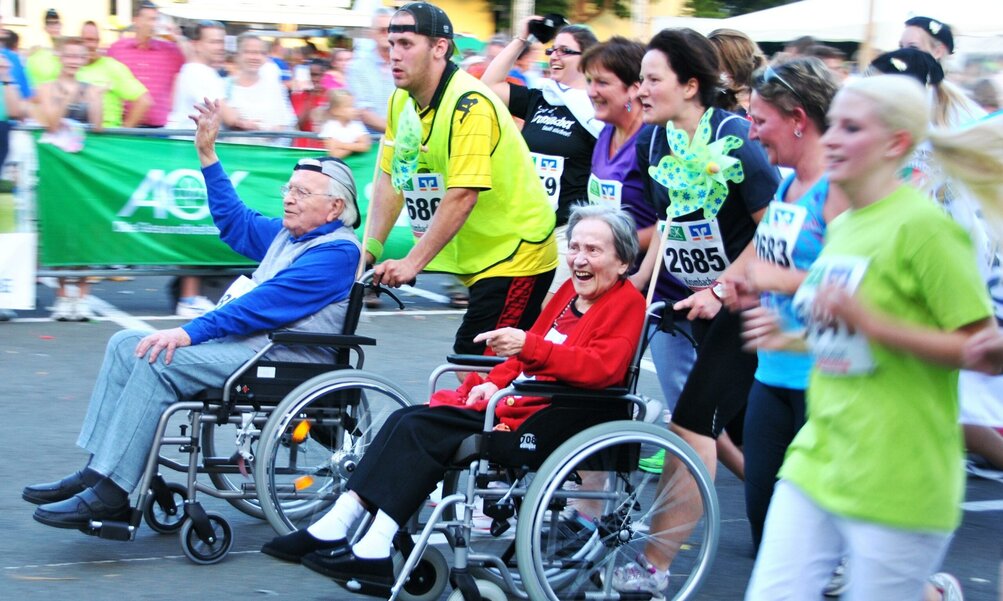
<point>585,337</point>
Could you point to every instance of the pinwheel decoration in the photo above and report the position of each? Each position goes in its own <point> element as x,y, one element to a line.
<point>406,144</point>
<point>697,173</point>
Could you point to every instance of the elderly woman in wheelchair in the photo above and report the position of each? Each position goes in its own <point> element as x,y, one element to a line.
<point>306,272</point>
<point>586,337</point>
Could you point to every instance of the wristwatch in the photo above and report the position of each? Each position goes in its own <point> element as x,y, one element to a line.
<point>717,289</point>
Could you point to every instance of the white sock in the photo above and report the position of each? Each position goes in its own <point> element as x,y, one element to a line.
<point>379,538</point>
<point>335,523</point>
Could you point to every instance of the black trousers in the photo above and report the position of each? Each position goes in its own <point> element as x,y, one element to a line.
<point>409,456</point>
<point>772,419</point>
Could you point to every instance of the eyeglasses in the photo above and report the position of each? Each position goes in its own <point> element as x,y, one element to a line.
<point>298,193</point>
<point>562,51</point>
<point>770,74</point>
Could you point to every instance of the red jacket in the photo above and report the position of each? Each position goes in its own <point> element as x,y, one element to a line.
<point>596,354</point>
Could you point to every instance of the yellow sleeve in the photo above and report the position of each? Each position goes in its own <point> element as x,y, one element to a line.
<point>473,137</point>
<point>387,152</point>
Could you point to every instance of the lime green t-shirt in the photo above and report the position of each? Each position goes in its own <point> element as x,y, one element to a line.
<point>42,66</point>
<point>119,83</point>
<point>885,446</point>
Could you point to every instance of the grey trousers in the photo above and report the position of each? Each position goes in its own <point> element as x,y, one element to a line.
<point>131,394</point>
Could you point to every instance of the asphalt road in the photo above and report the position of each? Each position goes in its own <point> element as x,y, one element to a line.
<point>47,369</point>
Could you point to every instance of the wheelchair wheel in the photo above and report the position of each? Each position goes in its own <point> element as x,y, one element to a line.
<point>218,441</point>
<point>201,552</point>
<point>314,439</point>
<point>630,509</point>
<point>166,520</point>
<point>428,578</point>
<point>489,592</point>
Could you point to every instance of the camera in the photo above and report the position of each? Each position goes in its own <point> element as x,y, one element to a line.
<point>545,29</point>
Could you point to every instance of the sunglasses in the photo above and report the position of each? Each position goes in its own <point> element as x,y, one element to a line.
<point>562,51</point>
<point>770,74</point>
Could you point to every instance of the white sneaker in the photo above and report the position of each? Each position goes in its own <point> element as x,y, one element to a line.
<point>839,581</point>
<point>80,310</point>
<point>193,307</point>
<point>639,576</point>
<point>62,309</point>
<point>948,586</point>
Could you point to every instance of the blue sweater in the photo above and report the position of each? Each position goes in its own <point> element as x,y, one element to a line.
<point>317,278</point>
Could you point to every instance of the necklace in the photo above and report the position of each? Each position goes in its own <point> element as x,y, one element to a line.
<point>553,326</point>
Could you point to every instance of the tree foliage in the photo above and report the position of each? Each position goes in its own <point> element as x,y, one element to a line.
<point>576,11</point>
<point>579,11</point>
<point>730,8</point>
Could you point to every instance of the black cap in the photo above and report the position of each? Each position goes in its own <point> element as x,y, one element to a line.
<point>51,15</point>
<point>912,62</point>
<point>940,31</point>
<point>429,20</point>
<point>337,170</point>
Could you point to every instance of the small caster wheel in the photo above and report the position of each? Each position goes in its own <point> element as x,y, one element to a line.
<point>489,592</point>
<point>166,520</point>
<point>428,579</point>
<point>202,552</point>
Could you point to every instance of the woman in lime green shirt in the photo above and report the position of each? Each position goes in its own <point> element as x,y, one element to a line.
<point>875,475</point>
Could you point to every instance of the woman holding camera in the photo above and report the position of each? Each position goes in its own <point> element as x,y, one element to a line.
<point>560,124</point>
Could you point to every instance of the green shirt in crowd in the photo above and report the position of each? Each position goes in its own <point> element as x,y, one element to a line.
<point>119,83</point>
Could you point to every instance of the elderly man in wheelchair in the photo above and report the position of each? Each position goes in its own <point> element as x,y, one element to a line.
<point>585,337</point>
<point>307,267</point>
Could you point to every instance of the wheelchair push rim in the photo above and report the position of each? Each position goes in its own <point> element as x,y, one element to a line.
<point>548,572</point>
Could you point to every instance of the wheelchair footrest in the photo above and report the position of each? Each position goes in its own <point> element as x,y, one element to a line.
<point>123,531</point>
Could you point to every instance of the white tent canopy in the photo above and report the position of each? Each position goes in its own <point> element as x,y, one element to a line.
<point>972,21</point>
<point>324,13</point>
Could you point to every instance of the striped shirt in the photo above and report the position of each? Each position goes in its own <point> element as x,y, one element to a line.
<point>155,64</point>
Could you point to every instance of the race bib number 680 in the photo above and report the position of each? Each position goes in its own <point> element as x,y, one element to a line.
<point>422,200</point>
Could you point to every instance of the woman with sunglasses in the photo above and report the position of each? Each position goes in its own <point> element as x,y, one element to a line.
<point>894,298</point>
<point>680,76</point>
<point>560,126</point>
<point>788,109</point>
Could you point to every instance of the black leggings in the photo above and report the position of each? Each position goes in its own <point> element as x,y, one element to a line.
<point>409,456</point>
<point>772,419</point>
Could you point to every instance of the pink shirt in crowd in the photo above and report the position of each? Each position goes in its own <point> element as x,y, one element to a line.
<point>156,64</point>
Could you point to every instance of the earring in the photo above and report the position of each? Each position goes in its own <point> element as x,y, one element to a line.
<point>797,133</point>
<point>628,106</point>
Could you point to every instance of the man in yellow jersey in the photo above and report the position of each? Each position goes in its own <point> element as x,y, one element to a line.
<point>476,207</point>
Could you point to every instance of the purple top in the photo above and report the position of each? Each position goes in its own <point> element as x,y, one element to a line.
<point>621,176</point>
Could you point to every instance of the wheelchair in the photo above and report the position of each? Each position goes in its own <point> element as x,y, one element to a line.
<point>236,413</point>
<point>579,456</point>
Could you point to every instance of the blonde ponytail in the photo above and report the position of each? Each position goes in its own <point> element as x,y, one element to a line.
<point>973,157</point>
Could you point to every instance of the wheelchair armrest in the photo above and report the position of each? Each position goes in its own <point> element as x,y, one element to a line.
<point>552,389</point>
<point>475,360</point>
<point>317,339</point>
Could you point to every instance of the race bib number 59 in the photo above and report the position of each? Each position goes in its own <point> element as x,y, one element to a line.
<point>549,168</point>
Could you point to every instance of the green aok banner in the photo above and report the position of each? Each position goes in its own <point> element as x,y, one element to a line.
<point>126,200</point>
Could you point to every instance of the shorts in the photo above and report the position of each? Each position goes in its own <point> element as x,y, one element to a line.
<point>717,388</point>
<point>501,302</point>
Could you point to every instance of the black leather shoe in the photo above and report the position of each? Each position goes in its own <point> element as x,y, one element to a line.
<point>53,492</point>
<point>78,511</point>
<point>347,568</point>
<point>293,546</point>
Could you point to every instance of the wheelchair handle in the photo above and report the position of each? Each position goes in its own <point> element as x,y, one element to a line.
<point>367,281</point>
